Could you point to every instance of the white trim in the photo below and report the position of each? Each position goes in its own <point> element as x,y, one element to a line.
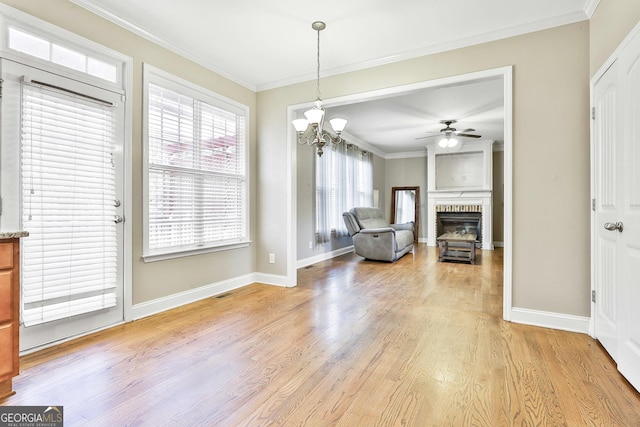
<point>507,288</point>
<point>323,256</point>
<point>406,155</point>
<point>169,302</point>
<point>127,256</point>
<point>271,279</point>
<point>498,244</point>
<point>590,7</point>
<point>190,252</point>
<point>545,319</point>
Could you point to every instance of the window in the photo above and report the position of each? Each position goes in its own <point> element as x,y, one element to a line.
<point>196,174</point>
<point>69,261</point>
<point>344,179</point>
<point>42,48</point>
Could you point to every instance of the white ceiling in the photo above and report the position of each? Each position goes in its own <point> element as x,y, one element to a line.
<point>266,44</point>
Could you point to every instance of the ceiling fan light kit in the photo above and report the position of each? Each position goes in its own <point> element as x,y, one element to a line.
<point>449,134</point>
<point>310,130</point>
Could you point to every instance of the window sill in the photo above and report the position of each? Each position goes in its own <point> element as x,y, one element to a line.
<point>180,253</point>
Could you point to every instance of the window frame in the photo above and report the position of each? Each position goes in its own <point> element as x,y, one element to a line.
<point>153,75</point>
<point>12,18</point>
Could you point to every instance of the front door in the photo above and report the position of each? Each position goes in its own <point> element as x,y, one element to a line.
<point>63,168</point>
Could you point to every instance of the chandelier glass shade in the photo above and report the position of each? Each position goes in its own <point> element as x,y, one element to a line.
<point>310,130</point>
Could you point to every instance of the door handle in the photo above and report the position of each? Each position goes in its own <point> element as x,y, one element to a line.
<point>118,219</point>
<point>612,226</point>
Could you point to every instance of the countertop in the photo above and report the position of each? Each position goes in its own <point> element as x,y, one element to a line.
<point>13,234</point>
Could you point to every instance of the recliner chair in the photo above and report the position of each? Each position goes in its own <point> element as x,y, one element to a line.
<point>376,239</point>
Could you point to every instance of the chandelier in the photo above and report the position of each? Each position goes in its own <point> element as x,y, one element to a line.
<point>310,130</point>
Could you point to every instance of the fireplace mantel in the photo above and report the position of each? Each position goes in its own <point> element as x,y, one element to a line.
<point>466,183</point>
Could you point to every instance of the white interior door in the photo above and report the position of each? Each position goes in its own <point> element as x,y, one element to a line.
<point>617,216</point>
<point>606,128</point>
<point>62,170</point>
<point>628,356</point>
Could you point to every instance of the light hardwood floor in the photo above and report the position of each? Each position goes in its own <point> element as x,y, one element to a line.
<point>357,343</point>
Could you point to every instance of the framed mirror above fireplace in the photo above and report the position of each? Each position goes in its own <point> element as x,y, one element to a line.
<point>405,207</point>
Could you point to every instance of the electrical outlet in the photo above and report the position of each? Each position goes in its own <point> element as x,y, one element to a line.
<point>272,258</point>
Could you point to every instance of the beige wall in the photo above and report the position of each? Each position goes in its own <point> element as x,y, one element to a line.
<point>610,23</point>
<point>550,153</point>
<point>162,278</point>
<point>497,198</point>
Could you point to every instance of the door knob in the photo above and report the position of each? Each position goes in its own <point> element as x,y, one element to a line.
<point>118,219</point>
<point>612,226</point>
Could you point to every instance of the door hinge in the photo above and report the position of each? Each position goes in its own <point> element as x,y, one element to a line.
<point>593,296</point>
<point>1,81</point>
<point>593,113</point>
<point>593,205</point>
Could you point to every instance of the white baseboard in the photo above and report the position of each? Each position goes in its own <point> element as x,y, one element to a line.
<point>545,319</point>
<point>422,240</point>
<point>323,256</point>
<point>271,279</point>
<point>176,300</point>
<point>498,244</point>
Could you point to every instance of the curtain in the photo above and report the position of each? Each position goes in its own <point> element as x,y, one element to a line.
<point>344,179</point>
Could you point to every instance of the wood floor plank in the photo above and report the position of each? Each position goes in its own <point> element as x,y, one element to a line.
<point>357,343</point>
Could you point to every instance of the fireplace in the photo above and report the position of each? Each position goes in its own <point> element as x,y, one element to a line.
<point>459,195</point>
<point>460,222</point>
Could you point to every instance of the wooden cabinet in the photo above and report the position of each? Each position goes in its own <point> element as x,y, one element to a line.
<point>9,313</point>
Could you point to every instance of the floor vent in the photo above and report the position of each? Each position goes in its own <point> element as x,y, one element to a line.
<point>223,295</point>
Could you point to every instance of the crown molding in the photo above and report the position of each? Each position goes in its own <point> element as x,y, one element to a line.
<point>504,33</point>
<point>426,50</point>
<point>185,53</point>
<point>405,155</point>
<point>590,7</point>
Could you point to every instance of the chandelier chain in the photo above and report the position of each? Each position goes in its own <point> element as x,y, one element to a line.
<point>318,69</point>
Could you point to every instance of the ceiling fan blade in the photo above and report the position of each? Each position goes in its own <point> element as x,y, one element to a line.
<point>466,130</point>
<point>467,135</point>
<point>425,137</point>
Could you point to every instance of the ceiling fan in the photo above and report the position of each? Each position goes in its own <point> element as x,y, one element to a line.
<point>448,134</point>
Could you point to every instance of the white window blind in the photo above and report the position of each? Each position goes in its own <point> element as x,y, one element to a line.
<point>68,191</point>
<point>196,173</point>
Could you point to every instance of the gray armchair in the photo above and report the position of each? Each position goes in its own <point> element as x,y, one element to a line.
<point>376,239</point>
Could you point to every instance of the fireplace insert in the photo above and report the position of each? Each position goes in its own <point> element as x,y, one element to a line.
<point>460,222</point>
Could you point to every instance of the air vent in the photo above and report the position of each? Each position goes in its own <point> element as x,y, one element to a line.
<point>223,295</point>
